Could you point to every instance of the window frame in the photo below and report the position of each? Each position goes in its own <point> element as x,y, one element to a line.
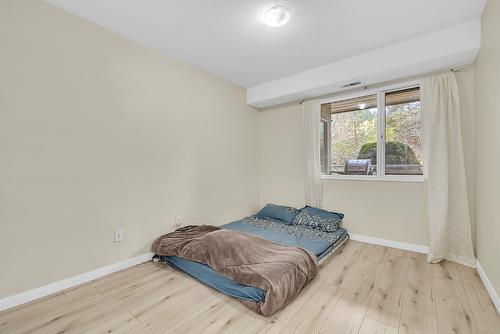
<point>326,143</point>
<point>380,92</point>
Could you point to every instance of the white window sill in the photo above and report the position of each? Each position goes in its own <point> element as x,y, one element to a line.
<point>387,178</point>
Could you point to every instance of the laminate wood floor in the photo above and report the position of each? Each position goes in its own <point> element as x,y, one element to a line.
<point>362,289</point>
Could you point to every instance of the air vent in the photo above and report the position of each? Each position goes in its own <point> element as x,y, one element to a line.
<point>351,84</point>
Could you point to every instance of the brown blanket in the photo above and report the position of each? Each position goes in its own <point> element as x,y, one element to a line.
<point>247,259</point>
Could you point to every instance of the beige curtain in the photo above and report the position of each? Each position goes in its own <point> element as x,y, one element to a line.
<point>312,180</point>
<point>449,227</point>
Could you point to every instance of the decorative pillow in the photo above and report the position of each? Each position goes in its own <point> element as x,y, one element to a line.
<point>325,221</point>
<point>286,214</point>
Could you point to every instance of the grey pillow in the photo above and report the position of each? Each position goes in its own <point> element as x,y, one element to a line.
<point>315,218</point>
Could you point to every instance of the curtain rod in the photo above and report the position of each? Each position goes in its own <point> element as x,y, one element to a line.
<point>454,70</point>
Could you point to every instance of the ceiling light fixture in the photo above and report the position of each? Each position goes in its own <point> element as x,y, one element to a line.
<point>276,16</point>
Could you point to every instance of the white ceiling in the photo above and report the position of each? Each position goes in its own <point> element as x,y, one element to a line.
<point>226,37</point>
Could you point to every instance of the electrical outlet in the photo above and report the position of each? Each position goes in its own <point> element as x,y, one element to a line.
<point>118,235</point>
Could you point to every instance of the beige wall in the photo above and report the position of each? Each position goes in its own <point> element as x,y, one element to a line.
<point>488,145</point>
<point>388,210</point>
<point>98,133</point>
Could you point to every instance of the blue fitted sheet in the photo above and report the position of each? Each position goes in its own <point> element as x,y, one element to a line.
<point>320,248</point>
<point>214,279</point>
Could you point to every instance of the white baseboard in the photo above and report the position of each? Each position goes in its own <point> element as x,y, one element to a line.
<point>58,286</point>
<point>489,287</point>
<point>390,243</point>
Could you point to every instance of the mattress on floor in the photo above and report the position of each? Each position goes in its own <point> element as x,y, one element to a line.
<point>315,241</point>
<point>319,243</point>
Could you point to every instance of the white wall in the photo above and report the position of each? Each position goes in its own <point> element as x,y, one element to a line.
<point>98,133</point>
<point>487,146</point>
<point>388,210</point>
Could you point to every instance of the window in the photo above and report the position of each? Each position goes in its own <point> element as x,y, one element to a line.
<point>403,133</point>
<point>377,135</point>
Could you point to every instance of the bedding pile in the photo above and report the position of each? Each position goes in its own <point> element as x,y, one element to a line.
<point>264,260</point>
<point>281,271</point>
